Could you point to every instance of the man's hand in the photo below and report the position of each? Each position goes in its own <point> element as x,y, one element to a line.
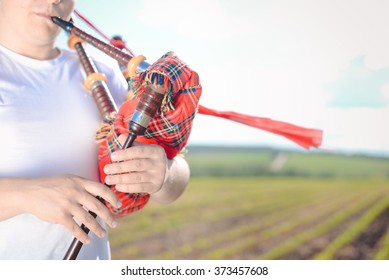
<point>145,169</point>
<point>61,200</point>
<point>138,169</point>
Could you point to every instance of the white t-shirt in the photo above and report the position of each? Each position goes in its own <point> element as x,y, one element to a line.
<point>47,127</point>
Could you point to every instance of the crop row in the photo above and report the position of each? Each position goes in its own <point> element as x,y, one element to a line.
<point>249,218</point>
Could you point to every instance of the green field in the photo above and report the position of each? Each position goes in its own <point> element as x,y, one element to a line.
<point>241,205</point>
<point>238,161</point>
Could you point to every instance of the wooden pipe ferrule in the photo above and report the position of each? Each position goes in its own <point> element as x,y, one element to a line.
<point>92,78</point>
<point>133,65</point>
<point>73,40</point>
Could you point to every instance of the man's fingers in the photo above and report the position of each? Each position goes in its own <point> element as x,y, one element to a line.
<point>147,187</point>
<point>76,230</point>
<point>138,151</point>
<point>89,221</point>
<point>104,192</point>
<point>134,165</point>
<point>101,211</point>
<point>127,178</point>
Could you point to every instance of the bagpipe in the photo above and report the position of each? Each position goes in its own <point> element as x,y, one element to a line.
<point>162,102</point>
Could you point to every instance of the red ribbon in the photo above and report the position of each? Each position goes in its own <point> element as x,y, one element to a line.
<point>305,137</point>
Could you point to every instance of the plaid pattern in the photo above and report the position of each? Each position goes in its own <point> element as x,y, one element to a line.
<point>171,126</point>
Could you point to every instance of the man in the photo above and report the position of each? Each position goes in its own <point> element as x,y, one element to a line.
<point>48,158</point>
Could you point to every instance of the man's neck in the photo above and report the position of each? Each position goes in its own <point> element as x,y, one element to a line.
<point>39,52</point>
<point>29,49</point>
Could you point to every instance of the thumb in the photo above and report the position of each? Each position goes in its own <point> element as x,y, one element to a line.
<point>122,139</point>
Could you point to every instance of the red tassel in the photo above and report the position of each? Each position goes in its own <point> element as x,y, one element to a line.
<point>305,137</point>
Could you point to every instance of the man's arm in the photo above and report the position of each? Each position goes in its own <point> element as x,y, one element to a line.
<point>176,180</point>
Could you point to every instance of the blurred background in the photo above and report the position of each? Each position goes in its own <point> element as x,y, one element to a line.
<point>253,194</point>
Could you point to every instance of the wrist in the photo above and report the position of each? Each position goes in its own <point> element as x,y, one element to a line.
<point>175,181</point>
<point>13,198</point>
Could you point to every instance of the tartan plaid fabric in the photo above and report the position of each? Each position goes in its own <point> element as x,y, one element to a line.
<point>171,126</point>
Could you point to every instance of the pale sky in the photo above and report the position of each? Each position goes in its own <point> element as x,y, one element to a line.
<point>319,64</point>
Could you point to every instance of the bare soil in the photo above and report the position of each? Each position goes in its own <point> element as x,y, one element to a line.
<point>366,244</point>
<point>362,248</point>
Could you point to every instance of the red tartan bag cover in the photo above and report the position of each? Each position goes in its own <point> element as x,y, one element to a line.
<point>170,128</point>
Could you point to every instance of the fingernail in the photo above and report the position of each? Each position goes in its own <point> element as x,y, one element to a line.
<point>108,180</point>
<point>102,233</point>
<point>114,224</point>
<point>107,169</point>
<point>114,156</point>
<point>87,241</point>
